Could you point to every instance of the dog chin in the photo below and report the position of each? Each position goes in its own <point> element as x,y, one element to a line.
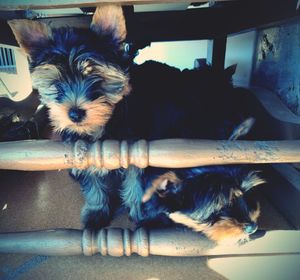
<point>81,132</point>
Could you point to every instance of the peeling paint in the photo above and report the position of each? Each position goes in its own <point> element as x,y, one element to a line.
<point>277,66</point>
<point>265,152</point>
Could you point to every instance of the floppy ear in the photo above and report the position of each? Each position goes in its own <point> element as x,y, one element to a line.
<point>30,35</point>
<point>183,219</point>
<point>162,185</point>
<point>109,20</point>
<point>251,180</point>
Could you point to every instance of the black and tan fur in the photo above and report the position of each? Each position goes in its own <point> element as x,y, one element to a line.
<point>94,92</point>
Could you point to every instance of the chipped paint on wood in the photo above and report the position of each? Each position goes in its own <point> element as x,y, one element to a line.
<point>277,62</point>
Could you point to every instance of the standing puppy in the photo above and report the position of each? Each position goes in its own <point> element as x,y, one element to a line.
<point>81,74</point>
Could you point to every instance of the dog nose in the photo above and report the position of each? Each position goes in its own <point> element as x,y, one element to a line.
<point>250,228</point>
<point>76,114</point>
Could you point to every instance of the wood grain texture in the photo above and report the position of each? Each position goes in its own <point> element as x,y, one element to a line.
<point>123,242</point>
<point>169,153</point>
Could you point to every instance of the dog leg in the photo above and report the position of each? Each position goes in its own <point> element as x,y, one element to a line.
<point>157,221</point>
<point>96,212</point>
<point>132,192</point>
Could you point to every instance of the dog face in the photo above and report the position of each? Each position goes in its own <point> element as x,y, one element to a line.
<point>80,74</point>
<point>214,200</point>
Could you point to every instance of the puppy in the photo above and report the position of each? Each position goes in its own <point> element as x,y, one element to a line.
<point>94,92</point>
<point>214,200</point>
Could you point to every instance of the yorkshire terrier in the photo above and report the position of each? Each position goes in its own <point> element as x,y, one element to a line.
<point>81,75</point>
<point>215,200</point>
<point>84,77</point>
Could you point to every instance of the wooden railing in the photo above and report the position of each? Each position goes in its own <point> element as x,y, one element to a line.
<point>169,153</point>
<point>176,153</point>
<point>111,154</point>
<point>123,242</point>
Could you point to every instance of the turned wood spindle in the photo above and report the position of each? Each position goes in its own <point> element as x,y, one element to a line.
<point>123,242</point>
<point>169,153</point>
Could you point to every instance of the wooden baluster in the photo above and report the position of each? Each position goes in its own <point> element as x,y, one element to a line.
<point>123,242</point>
<point>58,242</point>
<point>178,153</point>
<point>173,153</point>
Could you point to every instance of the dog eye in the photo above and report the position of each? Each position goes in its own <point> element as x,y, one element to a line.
<point>85,67</point>
<point>93,95</point>
<point>60,92</point>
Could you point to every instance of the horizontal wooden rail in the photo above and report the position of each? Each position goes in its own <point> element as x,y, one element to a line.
<point>52,4</point>
<point>123,242</point>
<point>169,153</point>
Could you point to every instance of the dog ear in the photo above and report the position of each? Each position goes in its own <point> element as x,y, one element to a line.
<point>183,219</point>
<point>162,186</point>
<point>230,71</point>
<point>251,180</point>
<point>109,20</point>
<point>30,35</point>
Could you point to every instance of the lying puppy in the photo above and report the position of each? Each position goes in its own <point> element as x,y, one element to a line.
<point>214,200</point>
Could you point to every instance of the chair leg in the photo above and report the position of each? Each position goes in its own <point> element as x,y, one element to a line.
<point>216,50</point>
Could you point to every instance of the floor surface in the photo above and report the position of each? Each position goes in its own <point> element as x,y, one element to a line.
<point>48,200</point>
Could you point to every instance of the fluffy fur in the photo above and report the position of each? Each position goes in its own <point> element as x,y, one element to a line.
<point>215,200</point>
<point>84,77</point>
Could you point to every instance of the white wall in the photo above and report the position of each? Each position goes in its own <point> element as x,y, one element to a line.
<point>239,50</point>
<point>180,54</point>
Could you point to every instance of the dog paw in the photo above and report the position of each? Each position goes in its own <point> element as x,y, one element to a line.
<point>94,219</point>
